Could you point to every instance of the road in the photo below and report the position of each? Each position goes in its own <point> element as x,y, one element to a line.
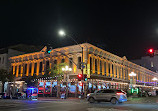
<point>133,104</point>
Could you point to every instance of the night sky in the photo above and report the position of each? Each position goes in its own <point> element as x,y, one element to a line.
<point>123,27</point>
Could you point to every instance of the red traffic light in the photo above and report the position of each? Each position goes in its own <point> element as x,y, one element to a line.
<point>79,77</point>
<point>151,51</point>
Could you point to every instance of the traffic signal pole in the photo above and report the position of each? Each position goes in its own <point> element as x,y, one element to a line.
<point>82,74</point>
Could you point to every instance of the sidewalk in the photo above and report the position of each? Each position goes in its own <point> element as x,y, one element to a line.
<point>55,99</point>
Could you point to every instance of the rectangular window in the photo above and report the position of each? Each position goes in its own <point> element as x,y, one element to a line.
<point>79,62</point>
<point>96,66</point>
<point>30,67</point>
<point>63,60</point>
<point>15,69</point>
<point>109,69</point>
<point>25,69</point>
<point>12,69</point>
<point>40,69</point>
<point>100,67</point>
<point>47,64</point>
<point>105,68</point>
<point>19,70</point>
<point>35,68</point>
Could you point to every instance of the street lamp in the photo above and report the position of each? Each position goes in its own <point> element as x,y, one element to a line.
<point>62,33</point>
<point>66,77</point>
<point>132,74</point>
<point>155,79</point>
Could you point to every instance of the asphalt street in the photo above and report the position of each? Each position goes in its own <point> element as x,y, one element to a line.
<point>133,104</point>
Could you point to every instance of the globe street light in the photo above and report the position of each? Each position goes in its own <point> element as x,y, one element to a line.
<point>155,79</point>
<point>66,77</point>
<point>132,74</point>
<point>62,33</point>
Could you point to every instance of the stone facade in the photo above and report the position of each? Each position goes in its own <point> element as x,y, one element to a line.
<point>99,64</point>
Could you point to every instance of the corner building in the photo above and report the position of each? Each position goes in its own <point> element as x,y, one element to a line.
<point>103,69</point>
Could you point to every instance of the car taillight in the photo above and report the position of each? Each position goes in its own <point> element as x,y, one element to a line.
<point>120,93</point>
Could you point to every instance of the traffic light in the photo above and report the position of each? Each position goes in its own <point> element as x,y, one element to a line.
<point>151,51</point>
<point>79,77</point>
<point>49,49</point>
<point>85,77</point>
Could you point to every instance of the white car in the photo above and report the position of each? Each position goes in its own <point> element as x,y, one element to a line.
<point>111,95</point>
<point>152,93</point>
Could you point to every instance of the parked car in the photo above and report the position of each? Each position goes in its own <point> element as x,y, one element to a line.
<point>152,93</point>
<point>111,95</point>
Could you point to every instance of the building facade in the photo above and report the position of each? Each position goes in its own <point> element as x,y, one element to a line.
<point>148,62</point>
<point>101,67</point>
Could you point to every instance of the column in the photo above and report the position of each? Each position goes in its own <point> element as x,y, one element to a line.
<point>110,69</point>
<point>32,68</point>
<point>37,68</point>
<point>27,72</point>
<point>17,70</point>
<point>13,69</point>
<point>114,68</point>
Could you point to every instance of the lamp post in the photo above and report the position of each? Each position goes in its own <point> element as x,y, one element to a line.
<point>66,77</point>
<point>132,75</point>
<point>155,80</point>
<point>62,33</point>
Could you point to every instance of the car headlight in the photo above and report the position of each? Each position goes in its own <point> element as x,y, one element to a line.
<point>88,94</point>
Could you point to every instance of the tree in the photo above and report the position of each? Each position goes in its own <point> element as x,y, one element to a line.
<point>32,80</point>
<point>57,73</point>
<point>5,76</point>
